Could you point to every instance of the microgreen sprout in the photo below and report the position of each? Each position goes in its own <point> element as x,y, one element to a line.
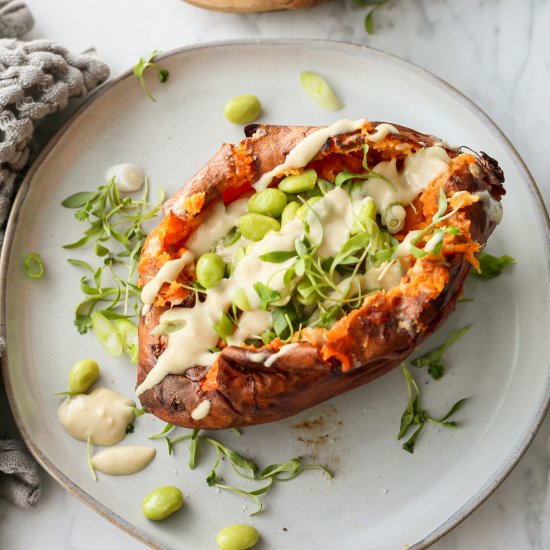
<point>415,417</point>
<point>242,466</point>
<point>433,359</point>
<point>114,227</point>
<point>148,63</point>
<point>89,453</point>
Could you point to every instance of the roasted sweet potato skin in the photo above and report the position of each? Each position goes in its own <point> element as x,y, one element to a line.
<point>373,339</point>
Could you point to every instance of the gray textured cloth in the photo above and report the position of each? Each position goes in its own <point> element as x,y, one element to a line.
<point>15,19</point>
<point>19,479</point>
<point>36,79</point>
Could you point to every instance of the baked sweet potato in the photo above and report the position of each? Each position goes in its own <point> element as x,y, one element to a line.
<point>351,300</point>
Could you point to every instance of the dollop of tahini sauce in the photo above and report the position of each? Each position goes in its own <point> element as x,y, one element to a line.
<point>102,415</point>
<point>128,177</point>
<point>123,460</point>
<point>334,212</point>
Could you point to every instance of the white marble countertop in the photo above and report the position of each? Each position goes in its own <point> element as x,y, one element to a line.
<point>495,51</point>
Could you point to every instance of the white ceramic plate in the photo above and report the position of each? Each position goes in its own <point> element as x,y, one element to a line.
<point>381,496</point>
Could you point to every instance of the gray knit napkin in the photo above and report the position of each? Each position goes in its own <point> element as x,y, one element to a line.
<point>36,79</point>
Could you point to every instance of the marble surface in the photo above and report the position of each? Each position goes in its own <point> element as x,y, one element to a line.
<point>495,51</point>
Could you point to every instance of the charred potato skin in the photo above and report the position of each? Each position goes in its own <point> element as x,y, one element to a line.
<point>249,393</point>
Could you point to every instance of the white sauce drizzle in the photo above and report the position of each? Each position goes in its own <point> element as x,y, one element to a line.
<point>202,410</point>
<point>123,460</point>
<point>251,323</point>
<point>433,242</point>
<point>189,345</point>
<point>284,349</point>
<point>420,169</point>
<point>257,356</point>
<point>168,273</point>
<point>102,415</point>
<point>128,177</point>
<point>216,224</point>
<point>306,150</point>
<point>493,208</point>
<point>382,131</point>
<point>185,348</point>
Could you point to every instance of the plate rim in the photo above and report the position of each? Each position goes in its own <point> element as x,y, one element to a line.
<point>543,220</point>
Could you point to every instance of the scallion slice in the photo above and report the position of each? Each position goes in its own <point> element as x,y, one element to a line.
<point>34,266</point>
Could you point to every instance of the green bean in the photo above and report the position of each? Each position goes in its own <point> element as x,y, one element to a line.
<point>210,270</point>
<point>289,213</point>
<point>242,109</point>
<point>255,226</point>
<point>237,537</point>
<point>270,202</point>
<point>300,182</point>
<point>162,502</point>
<point>83,374</point>
<point>301,213</point>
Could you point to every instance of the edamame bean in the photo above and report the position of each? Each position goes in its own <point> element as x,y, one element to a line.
<point>301,213</point>
<point>300,182</point>
<point>83,374</point>
<point>289,213</point>
<point>162,502</point>
<point>242,109</point>
<point>237,537</point>
<point>270,202</point>
<point>210,270</point>
<point>255,226</point>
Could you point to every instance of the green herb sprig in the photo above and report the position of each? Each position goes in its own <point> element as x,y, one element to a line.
<point>433,359</point>
<point>415,415</point>
<point>491,266</point>
<point>114,227</point>
<point>147,63</point>
<point>242,466</point>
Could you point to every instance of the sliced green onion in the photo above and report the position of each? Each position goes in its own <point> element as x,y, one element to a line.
<point>106,333</point>
<point>34,266</point>
<point>318,89</point>
<point>225,327</point>
<point>128,334</point>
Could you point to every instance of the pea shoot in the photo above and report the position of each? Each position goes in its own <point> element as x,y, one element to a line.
<point>114,230</point>
<point>433,359</point>
<point>148,63</point>
<point>415,417</point>
<point>242,466</point>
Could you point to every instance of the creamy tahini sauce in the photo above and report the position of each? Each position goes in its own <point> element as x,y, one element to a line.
<point>128,177</point>
<point>419,170</point>
<point>202,410</point>
<point>284,350</point>
<point>493,208</point>
<point>123,460</point>
<point>433,242</point>
<point>251,323</point>
<point>168,273</point>
<point>102,415</point>
<point>185,349</point>
<point>335,212</point>
<point>381,132</point>
<point>218,221</point>
<point>306,150</point>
